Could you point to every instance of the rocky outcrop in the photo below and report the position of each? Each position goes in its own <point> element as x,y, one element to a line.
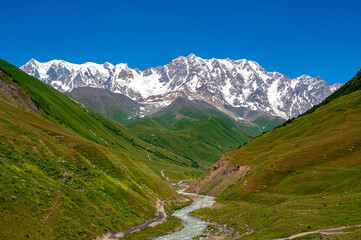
<point>13,93</point>
<point>221,174</point>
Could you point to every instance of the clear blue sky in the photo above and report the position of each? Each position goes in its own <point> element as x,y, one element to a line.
<point>294,37</point>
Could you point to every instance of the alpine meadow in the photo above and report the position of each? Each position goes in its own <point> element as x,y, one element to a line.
<point>180,120</point>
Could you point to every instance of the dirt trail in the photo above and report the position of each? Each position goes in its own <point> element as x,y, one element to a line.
<point>248,228</point>
<point>162,216</point>
<point>148,152</point>
<point>162,173</point>
<point>54,207</point>
<point>329,231</point>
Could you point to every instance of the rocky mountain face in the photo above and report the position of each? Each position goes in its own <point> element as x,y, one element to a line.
<point>237,87</point>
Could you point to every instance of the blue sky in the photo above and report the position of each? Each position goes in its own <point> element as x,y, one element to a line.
<point>294,37</point>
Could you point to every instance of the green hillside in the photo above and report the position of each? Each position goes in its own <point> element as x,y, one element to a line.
<point>185,127</point>
<point>267,123</point>
<point>202,141</point>
<point>78,119</point>
<point>55,184</point>
<point>195,110</point>
<point>300,177</point>
<point>194,130</point>
<point>114,106</point>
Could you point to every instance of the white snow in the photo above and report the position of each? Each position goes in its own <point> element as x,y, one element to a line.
<point>273,98</point>
<point>226,90</point>
<point>209,63</point>
<point>192,84</point>
<point>227,63</point>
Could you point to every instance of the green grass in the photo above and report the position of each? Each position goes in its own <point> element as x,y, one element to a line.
<point>111,105</point>
<point>54,183</point>
<point>291,215</point>
<point>195,130</point>
<point>184,108</point>
<point>202,141</point>
<point>268,123</point>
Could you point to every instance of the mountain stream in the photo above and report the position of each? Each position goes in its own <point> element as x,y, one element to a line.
<point>192,227</point>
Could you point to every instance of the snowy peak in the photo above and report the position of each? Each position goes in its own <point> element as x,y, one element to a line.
<point>224,83</point>
<point>335,86</point>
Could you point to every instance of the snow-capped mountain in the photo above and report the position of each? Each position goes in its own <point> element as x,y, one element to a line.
<point>224,83</point>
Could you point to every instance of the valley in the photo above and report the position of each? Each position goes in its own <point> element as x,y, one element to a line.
<point>93,168</point>
<point>180,120</point>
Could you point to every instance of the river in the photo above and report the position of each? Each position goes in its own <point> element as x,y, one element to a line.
<point>192,227</point>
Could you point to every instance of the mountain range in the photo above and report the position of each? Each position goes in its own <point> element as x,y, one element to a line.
<point>240,88</point>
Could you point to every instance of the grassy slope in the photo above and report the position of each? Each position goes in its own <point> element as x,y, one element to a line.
<point>267,123</point>
<point>203,141</point>
<point>55,184</point>
<point>198,110</point>
<point>196,132</point>
<point>68,114</point>
<point>111,105</point>
<point>183,108</point>
<point>304,176</point>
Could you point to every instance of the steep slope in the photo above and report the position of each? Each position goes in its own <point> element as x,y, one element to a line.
<point>66,113</point>
<point>267,123</point>
<point>299,177</point>
<point>55,184</point>
<point>114,106</point>
<point>194,130</point>
<point>203,141</point>
<point>193,110</point>
<point>184,108</point>
<point>183,111</point>
<point>224,83</point>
